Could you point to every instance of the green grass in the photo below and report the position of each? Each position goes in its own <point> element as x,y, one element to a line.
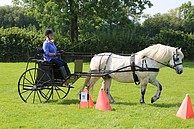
<point>127,112</point>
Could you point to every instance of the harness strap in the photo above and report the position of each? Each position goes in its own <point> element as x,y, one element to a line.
<point>105,63</point>
<point>142,69</point>
<point>135,77</point>
<point>100,62</point>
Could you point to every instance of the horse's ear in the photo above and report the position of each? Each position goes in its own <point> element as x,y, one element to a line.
<point>178,49</point>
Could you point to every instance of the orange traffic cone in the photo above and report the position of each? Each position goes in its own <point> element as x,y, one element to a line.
<point>102,102</point>
<point>85,99</point>
<point>186,111</point>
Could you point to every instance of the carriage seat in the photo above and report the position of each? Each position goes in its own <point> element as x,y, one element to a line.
<point>49,67</point>
<point>41,60</point>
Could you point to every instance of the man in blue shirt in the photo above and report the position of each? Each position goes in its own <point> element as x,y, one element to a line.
<point>51,54</point>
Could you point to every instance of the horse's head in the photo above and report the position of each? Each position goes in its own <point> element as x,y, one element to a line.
<point>176,61</point>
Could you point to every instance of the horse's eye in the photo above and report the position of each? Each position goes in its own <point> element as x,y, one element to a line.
<point>176,59</point>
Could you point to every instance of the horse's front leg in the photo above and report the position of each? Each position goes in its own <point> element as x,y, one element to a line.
<point>158,92</point>
<point>106,86</point>
<point>142,93</point>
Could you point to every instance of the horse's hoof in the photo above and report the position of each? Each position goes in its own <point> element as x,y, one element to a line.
<point>113,101</point>
<point>153,100</point>
<point>142,102</point>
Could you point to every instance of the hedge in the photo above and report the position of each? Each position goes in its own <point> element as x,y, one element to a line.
<point>18,44</point>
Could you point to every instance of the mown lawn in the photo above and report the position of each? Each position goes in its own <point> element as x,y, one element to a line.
<point>127,112</point>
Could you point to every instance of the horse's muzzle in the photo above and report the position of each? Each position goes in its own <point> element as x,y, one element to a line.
<point>179,71</point>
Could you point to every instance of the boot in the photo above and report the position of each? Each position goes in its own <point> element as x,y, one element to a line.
<point>67,69</point>
<point>63,72</point>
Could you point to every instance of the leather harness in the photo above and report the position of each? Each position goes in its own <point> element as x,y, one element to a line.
<point>132,65</point>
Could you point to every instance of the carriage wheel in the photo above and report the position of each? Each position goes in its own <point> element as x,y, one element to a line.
<point>35,86</point>
<point>61,91</point>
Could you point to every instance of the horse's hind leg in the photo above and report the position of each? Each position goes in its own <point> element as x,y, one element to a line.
<point>106,87</point>
<point>90,81</point>
<point>158,92</point>
<point>86,82</point>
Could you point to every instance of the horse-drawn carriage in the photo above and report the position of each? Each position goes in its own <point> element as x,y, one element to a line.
<point>45,81</point>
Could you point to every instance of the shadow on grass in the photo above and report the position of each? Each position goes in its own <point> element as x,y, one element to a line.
<point>64,101</point>
<point>76,101</point>
<point>162,105</point>
<point>165,105</point>
<point>125,103</point>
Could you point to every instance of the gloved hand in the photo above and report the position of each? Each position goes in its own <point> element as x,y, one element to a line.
<point>61,51</point>
<point>58,54</point>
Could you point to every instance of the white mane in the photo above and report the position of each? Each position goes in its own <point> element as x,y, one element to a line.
<point>157,52</point>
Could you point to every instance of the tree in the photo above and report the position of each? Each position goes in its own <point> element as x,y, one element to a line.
<point>62,14</point>
<point>15,16</point>
<point>171,20</point>
<point>187,14</point>
<point>181,18</point>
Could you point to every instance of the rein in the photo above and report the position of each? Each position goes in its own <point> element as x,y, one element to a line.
<point>167,65</point>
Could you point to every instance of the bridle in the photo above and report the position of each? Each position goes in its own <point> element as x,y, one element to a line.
<point>176,58</point>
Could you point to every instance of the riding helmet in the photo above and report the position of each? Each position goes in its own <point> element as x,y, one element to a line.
<point>47,32</point>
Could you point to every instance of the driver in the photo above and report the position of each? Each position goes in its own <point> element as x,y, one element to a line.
<point>51,54</point>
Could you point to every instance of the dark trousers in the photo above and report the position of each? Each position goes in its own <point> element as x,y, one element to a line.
<point>59,63</point>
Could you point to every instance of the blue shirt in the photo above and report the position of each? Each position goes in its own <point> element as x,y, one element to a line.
<point>49,47</point>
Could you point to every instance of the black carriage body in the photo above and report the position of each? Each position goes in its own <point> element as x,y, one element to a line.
<point>44,81</point>
<point>53,71</point>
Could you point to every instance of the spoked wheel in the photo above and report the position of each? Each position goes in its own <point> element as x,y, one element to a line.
<point>35,86</point>
<point>62,87</point>
<point>60,91</point>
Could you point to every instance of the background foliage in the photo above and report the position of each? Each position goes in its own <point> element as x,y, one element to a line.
<point>18,44</point>
<point>89,27</point>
